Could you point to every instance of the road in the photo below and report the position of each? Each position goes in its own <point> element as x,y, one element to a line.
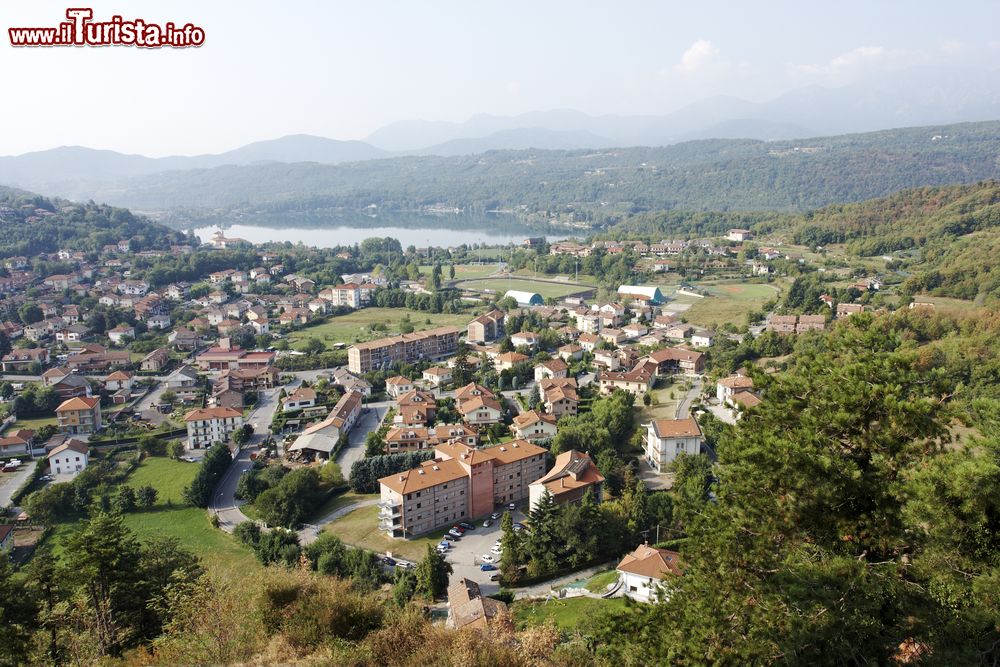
<point>224,504</point>
<point>13,481</point>
<point>684,405</point>
<point>145,405</point>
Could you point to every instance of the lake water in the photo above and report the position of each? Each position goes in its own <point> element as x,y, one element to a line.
<point>418,236</point>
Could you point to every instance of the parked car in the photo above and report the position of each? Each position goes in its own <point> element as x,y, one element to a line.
<point>486,558</point>
<point>487,567</point>
<point>467,526</point>
<point>453,534</point>
<point>444,544</point>
<point>459,528</point>
<point>495,577</point>
<point>449,537</point>
<point>487,523</point>
<point>512,507</point>
<point>497,550</point>
<point>495,516</point>
<point>389,561</point>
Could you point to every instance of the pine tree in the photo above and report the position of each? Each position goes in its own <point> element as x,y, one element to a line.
<point>432,575</point>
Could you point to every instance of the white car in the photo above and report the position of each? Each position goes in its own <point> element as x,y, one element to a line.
<point>497,550</point>
<point>487,558</point>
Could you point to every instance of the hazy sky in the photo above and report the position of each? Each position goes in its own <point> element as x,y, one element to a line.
<point>342,69</point>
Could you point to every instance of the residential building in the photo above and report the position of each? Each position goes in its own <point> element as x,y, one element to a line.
<point>728,387</point>
<point>155,361</point>
<point>678,360</point>
<point>782,323</point>
<point>119,381</point>
<point>430,345</point>
<point>571,352</point>
<point>22,359</point>
<point>79,415</point>
<point>121,334</point>
<point>467,608</point>
<point>636,381</point>
<point>739,235</point>
<point>643,571</point>
<point>559,396</point>
<point>301,398</point>
<point>846,309</point>
<point>320,440</point>
<point>667,438</point>
<point>183,382</point>
<point>527,339</point>
<point>207,426</point>
<point>66,383</point>
<point>17,443</point>
<point>810,323</point>
<point>534,426</point>
<point>460,482</point>
<point>68,458</point>
<point>398,385</point>
<point>551,369</point>
<point>415,438</point>
<point>702,338</point>
<point>487,328</point>
<point>573,474</point>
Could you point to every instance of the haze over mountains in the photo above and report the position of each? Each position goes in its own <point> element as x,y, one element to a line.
<point>913,97</point>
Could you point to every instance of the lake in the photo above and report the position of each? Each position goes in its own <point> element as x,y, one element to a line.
<point>446,235</point>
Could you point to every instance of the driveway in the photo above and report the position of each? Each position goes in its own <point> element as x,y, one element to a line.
<point>369,421</point>
<point>684,405</point>
<point>145,405</point>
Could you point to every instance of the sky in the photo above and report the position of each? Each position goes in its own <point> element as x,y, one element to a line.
<point>342,69</point>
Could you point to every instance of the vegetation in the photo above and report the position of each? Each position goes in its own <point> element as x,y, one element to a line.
<point>210,473</point>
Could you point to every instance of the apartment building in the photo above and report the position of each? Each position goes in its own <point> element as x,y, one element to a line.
<point>667,438</point>
<point>79,415</point>
<point>461,482</point>
<point>487,327</point>
<point>207,426</point>
<point>432,344</point>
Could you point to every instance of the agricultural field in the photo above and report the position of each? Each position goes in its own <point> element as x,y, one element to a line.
<point>948,304</point>
<point>33,424</point>
<point>355,327</point>
<point>567,614</point>
<point>500,286</point>
<point>727,302</point>
<point>360,529</point>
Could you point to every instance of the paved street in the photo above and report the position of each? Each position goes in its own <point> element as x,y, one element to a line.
<point>684,405</point>
<point>13,481</point>
<point>225,504</point>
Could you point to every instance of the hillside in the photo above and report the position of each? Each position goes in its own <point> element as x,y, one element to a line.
<point>31,224</point>
<point>592,188</point>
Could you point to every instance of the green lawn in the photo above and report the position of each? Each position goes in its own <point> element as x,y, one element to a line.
<point>566,614</point>
<point>33,424</point>
<point>464,271</point>
<point>665,408</point>
<point>354,327</point>
<point>946,303</point>
<point>728,302</point>
<point>170,517</point>
<point>599,582</point>
<point>501,285</point>
<point>360,528</point>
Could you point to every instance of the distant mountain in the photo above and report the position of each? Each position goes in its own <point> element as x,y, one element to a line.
<point>583,188</point>
<point>75,168</point>
<point>519,139</point>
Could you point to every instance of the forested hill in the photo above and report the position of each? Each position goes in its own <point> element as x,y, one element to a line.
<point>31,224</point>
<point>591,187</point>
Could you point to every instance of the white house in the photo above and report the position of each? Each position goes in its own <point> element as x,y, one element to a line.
<point>534,426</point>
<point>301,398</point>
<point>727,388</point>
<point>702,338</point>
<point>397,386</point>
<point>643,571</point>
<point>68,458</point>
<point>666,438</point>
<point>207,426</point>
<point>437,375</point>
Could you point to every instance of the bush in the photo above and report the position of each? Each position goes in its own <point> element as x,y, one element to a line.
<point>292,500</point>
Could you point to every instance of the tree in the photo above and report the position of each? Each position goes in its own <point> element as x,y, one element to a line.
<point>30,313</point>
<point>175,449</point>
<point>314,346</point>
<point>432,575</point>
<point>404,586</point>
<point>510,550</point>
<point>125,499</point>
<point>290,502</point>
<point>542,544</point>
<point>18,610</point>
<point>242,435</point>
<point>145,496</point>
<point>211,470</point>
<point>169,396</point>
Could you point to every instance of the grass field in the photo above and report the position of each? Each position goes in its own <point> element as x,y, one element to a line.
<point>728,302</point>
<point>566,614</point>
<point>354,327</point>
<point>170,517</point>
<point>360,528</point>
<point>465,271</point>
<point>33,424</point>
<point>946,304</point>
<point>665,407</point>
<point>501,285</point>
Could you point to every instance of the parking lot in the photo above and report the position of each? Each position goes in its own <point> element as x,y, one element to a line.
<point>465,554</point>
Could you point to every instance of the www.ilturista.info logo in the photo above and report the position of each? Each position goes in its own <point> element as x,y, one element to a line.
<point>81,30</point>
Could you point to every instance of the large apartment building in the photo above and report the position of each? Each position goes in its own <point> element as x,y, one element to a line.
<point>206,426</point>
<point>430,345</point>
<point>460,482</point>
<point>667,438</point>
<point>487,327</point>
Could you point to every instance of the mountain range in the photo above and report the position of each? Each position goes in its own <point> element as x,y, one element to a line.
<point>912,97</point>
